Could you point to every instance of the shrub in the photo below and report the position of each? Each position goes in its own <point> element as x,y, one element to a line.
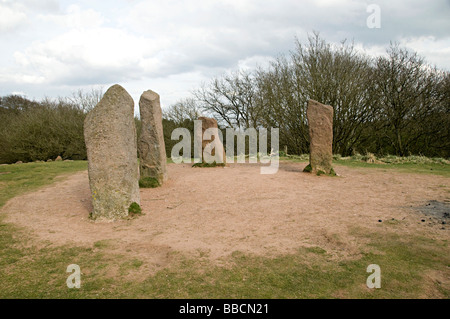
<point>308,169</point>
<point>135,209</point>
<point>148,182</point>
<point>213,164</point>
<point>41,131</point>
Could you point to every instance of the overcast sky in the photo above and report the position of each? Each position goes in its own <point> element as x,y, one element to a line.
<point>54,47</point>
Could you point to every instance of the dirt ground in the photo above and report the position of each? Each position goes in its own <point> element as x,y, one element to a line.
<point>213,212</point>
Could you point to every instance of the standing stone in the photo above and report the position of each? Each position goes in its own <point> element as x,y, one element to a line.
<point>320,120</point>
<point>152,149</point>
<point>110,137</point>
<point>208,123</point>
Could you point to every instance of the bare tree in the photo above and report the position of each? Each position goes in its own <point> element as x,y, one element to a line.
<point>283,104</point>
<point>336,75</point>
<point>185,109</point>
<point>409,92</point>
<point>331,74</point>
<point>86,100</point>
<point>395,104</point>
<point>232,99</point>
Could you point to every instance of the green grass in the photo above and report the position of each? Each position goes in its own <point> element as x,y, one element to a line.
<point>17,179</point>
<point>430,168</point>
<point>31,269</point>
<point>134,209</point>
<point>411,164</point>
<point>31,272</point>
<point>310,273</point>
<point>148,182</point>
<point>205,164</point>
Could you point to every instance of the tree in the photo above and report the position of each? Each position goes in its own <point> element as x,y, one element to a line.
<point>409,93</point>
<point>232,99</point>
<point>185,109</point>
<point>13,104</point>
<point>85,100</point>
<point>42,130</point>
<point>331,74</point>
<point>283,104</point>
<point>336,75</point>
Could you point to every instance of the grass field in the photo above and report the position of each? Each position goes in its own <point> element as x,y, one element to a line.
<point>36,270</point>
<point>412,164</point>
<point>18,179</point>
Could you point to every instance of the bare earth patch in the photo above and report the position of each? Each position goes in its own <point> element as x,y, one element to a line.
<point>213,212</point>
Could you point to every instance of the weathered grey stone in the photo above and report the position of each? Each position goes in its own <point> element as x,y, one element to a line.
<point>320,121</point>
<point>208,123</point>
<point>151,146</point>
<point>110,137</point>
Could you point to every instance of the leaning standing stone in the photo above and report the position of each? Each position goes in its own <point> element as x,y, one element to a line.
<point>151,146</point>
<point>110,137</point>
<point>320,121</point>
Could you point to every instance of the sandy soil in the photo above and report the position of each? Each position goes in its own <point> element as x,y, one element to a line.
<point>215,211</point>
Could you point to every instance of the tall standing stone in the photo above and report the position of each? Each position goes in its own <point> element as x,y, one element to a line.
<point>110,136</point>
<point>151,146</point>
<point>320,120</point>
<point>210,123</point>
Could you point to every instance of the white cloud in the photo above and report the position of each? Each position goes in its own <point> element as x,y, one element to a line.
<point>16,13</point>
<point>21,78</point>
<point>75,17</point>
<point>435,51</point>
<point>19,93</point>
<point>254,62</point>
<point>89,54</point>
<point>12,16</point>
